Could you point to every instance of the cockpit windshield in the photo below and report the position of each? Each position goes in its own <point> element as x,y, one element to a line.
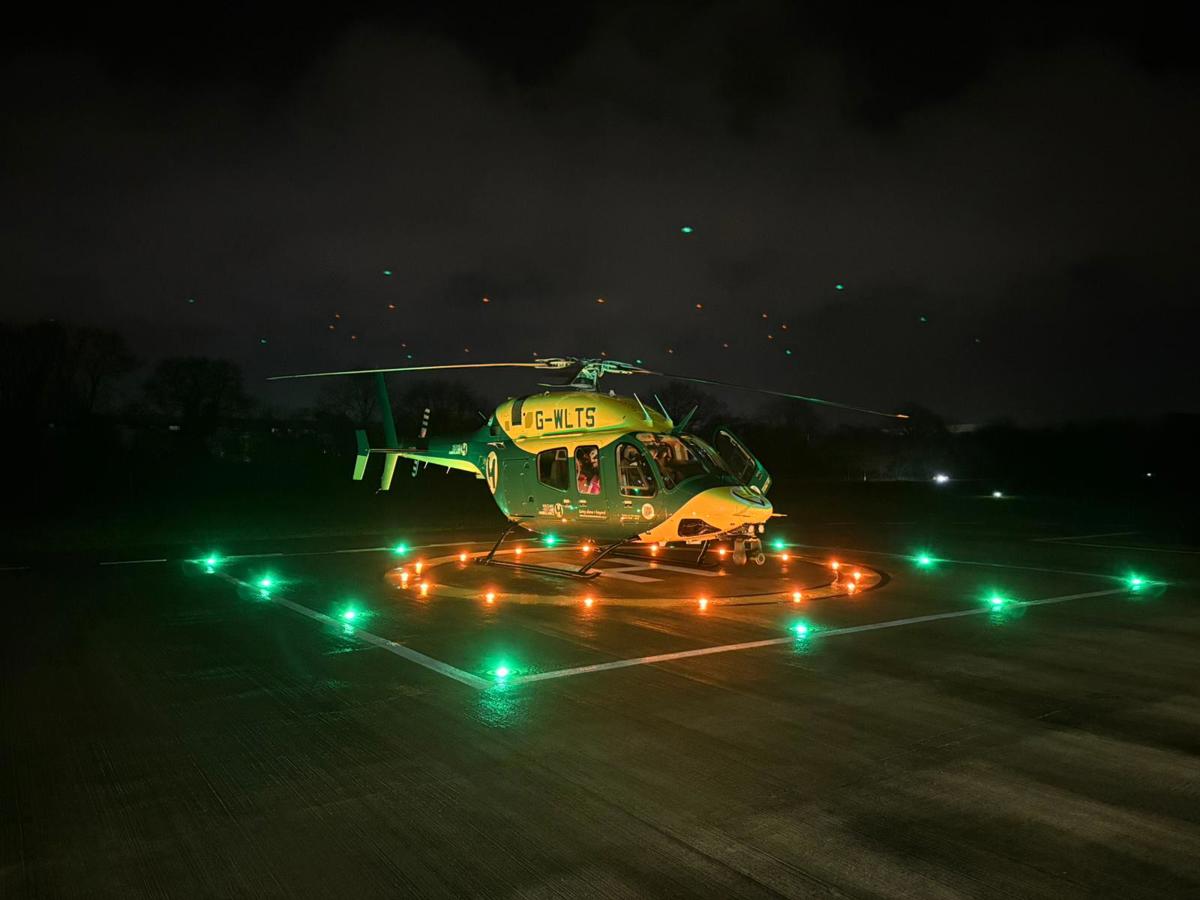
<point>678,459</point>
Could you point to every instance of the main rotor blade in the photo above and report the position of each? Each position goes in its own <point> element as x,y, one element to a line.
<point>817,400</point>
<point>551,363</point>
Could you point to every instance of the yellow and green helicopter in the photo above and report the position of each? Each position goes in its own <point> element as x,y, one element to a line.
<point>576,462</point>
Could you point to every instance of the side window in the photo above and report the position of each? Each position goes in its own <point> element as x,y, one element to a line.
<point>552,468</point>
<point>633,472</point>
<point>587,469</point>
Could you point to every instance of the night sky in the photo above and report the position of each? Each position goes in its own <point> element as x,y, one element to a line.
<point>1009,204</point>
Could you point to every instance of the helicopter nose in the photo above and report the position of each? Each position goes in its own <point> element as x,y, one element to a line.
<point>727,508</point>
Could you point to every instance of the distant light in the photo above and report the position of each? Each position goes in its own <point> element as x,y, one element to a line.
<point>997,494</point>
<point>923,319</point>
<point>518,551</point>
<point>687,229</point>
<point>797,596</point>
<point>387,271</point>
<point>191,299</point>
<point>487,300</point>
<point>703,603</point>
<point>400,549</point>
<point>600,300</point>
<point>391,306</point>
<point>699,306</point>
<point>262,340</point>
<point>1149,474</point>
<point>839,287</point>
<point>502,672</point>
<point>941,478</point>
<point>490,596</point>
<point>788,352</point>
<point>588,601</point>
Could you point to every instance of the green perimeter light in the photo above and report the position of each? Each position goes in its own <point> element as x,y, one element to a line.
<point>350,614</point>
<point>400,549</point>
<point>800,629</point>
<point>549,540</point>
<point>924,560</point>
<point>502,672</point>
<point>687,229</point>
<point>995,601</point>
<point>211,562</point>
<point>779,544</point>
<point>1135,582</point>
<point>265,582</point>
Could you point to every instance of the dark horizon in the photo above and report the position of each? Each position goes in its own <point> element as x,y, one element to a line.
<point>997,221</point>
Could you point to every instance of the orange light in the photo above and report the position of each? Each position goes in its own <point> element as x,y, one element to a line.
<point>784,557</point>
<point>424,588</point>
<point>404,578</point>
<point>857,575</point>
<point>419,566</point>
<point>796,597</point>
<point>703,604</point>
<point>721,553</point>
<point>462,557</point>
<point>654,549</point>
<point>835,565</point>
<point>851,587</point>
<point>588,601</point>
<point>490,596</point>
<point>586,548</point>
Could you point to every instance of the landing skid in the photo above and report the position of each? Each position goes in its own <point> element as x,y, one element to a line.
<point>583,573</point>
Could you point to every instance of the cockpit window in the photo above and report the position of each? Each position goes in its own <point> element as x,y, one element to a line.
<point>633,472</point>
<point>677,462</point>
<point>739,462</point>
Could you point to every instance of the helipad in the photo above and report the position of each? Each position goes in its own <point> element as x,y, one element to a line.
<point>659,577</point>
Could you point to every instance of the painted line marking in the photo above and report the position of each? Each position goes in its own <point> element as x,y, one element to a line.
<point>131,562</point>
<point>962,562</point>
<point>435,665</point>
<point>1132,547</point>
<point>13,568</point>
<point>773,642</point>
<point>1081,537</point>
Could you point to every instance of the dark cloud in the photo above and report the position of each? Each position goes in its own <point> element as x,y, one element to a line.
<point>1030,195</point>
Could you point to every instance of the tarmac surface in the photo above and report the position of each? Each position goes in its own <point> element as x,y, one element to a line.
<point>1015,716</point>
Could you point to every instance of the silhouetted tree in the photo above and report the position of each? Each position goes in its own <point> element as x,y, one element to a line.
<point>197,391</point>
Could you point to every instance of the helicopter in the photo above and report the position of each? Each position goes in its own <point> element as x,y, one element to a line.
<point>576,462</point>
